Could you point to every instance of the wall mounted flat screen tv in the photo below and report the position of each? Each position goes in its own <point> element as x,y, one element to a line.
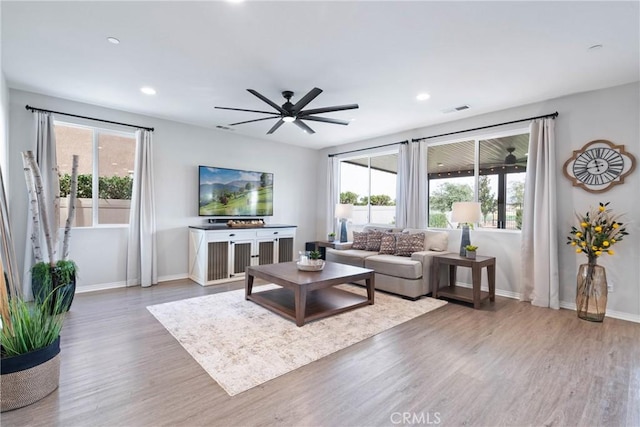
<point>234,193</point>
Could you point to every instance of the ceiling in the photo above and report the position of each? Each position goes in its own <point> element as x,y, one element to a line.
<point>197,55</point>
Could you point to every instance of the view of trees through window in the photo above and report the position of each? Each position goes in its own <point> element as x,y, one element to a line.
<point>369,183</point>
<point>501,169</point>
<point>105,173</point>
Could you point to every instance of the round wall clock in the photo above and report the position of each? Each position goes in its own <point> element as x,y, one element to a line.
<point>599,165</point>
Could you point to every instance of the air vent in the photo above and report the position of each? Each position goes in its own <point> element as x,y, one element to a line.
<point>454,109</point>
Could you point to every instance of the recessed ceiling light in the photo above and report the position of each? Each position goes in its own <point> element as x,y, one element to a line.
<point>595,47</point>
<point>148,90</point>
<point>440,164</point>
<point>423,96</point>
<point>113,40</point>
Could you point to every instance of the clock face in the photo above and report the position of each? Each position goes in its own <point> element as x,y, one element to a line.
<point>599,165</point>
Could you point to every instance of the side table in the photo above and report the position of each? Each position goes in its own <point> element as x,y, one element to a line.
<point>474,295</point>
<point>322,246</point>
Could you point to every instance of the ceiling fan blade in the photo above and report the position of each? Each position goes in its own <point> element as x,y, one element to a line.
<point>267,100</point>
<point>302,102</point>
<point>327,109</point>
<point>325,120</point>
<point>249,111</point>
<point>303,126</point>
<point>254,120</point>
<point>275,127</point>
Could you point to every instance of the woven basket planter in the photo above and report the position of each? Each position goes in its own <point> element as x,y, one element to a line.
<point>29,377</point>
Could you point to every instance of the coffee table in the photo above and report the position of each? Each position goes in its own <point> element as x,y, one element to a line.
<point>308,295</point>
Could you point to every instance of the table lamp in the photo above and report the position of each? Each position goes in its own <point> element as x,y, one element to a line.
<point>343,213</point>
<point>465,213</point>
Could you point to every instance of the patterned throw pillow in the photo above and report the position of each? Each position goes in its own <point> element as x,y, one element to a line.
<point>374,239</point>
<point>388,243</point>
<point>406,244</point>
<point>359,240</point>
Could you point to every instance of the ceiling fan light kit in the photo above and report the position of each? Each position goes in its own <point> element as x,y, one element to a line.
<point>293,113</point>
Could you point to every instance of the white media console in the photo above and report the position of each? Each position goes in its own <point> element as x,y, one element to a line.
<point>219,254</point>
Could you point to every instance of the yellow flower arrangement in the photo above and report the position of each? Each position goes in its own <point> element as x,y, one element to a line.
<point>599,230</point>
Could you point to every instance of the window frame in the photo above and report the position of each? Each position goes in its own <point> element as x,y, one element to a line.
<point>477,137</point>
<point>95,167</point>
<point>368,154</point>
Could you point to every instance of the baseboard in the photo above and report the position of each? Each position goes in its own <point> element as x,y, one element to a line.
<point>610,313</point>
<point>123,284</point>
<point>499,292</point>
<point>563,304</point>
<point>100,287</point>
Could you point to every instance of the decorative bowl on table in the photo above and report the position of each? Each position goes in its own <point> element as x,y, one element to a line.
<point>311,265</point>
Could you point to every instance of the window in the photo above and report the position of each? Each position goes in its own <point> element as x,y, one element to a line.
<point>105,173</point>
<point>369,183</point>
<point>490,171</point>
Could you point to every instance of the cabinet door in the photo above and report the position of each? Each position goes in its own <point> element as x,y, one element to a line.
<point>266,253</point>
<point>285,249</point>
<point>241,256</point>
<point>217,260</point>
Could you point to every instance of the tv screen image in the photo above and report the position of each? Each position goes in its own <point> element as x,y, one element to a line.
<point>234,193</point>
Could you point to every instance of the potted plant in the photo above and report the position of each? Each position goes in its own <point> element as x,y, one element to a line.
<point>50,277</point>
<point>597,231</point>
<point>314,257</point>
<point>30,334</point>
<point>29,356</point>
<point>331,236</point>
<point>471,251</point>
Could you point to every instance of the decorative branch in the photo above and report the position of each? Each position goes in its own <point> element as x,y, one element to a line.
<point>73,197</point>
<point>42,202</point>
<point>35,211</point>
<point>55,217</point>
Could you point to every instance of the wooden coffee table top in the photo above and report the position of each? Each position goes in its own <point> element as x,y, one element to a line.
<point>288,271</point>
<point>309,295</point>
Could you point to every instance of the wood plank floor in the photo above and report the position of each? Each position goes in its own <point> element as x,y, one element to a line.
<point>508,364</point>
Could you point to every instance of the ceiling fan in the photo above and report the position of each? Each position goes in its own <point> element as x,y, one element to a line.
<point>294,113</point>
<point>509,160</point>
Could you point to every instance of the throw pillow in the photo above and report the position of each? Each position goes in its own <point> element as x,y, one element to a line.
<point>359,240</point>
<point>406,244</point>
<point>388,243</point>
<point>436,241</point>
<point>374,239</point>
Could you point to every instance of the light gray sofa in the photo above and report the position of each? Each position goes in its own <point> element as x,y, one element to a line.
<point>405,276</point>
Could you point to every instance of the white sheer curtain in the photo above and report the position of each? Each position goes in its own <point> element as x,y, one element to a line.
<point>141,246</point>
<point>539,281</point>
<point>411,203</point>
<point>45,148</point>
<point>333,191</point>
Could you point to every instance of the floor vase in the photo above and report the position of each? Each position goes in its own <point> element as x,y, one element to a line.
<point>591,295</point>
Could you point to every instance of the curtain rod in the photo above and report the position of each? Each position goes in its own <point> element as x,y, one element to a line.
<point>369,148</point>
<point>28,107</point>
<point>553,115</point>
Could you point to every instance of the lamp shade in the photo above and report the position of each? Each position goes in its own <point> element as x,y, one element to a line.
<point>466,212</point>
<point>344,210</point>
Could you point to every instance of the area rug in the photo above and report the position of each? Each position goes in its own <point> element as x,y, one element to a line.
<point>242,345</point>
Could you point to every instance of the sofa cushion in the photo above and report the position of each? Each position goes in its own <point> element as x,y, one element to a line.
<point>433,240</point>
<point>388,244</point>
<point>374,239</point>
<point>348,256</point>
<point>359,240</point>
<point>406,244</point>
<point>396,266</point>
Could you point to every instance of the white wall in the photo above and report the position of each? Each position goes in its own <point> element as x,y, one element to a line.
<point>4,114</point>
<point>612,114</point>
<point>178,150</point>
